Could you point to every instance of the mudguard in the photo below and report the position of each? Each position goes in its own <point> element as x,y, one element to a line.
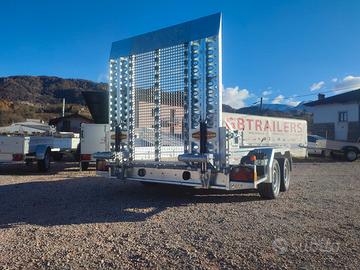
<point>40,151</point>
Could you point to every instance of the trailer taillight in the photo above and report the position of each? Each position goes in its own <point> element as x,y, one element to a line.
<point>85,157</point>
<point>242,173</point>
<point>17,157</point>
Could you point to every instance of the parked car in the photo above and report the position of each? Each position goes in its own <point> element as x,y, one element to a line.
<point>316,145</point>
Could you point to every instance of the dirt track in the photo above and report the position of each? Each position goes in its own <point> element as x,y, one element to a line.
<point>69,219</point>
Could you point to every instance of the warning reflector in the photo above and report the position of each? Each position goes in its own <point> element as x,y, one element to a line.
<point>209,135</point>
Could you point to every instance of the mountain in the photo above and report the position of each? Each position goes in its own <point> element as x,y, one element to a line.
<point>40,97</point>
<point>278,110</point>
<point>278,107</point>
<point>45,90</point>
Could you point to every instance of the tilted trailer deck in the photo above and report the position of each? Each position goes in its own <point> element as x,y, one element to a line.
<point>165,115</point>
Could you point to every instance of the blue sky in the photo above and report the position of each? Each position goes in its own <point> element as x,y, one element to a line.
<point>285,51</point>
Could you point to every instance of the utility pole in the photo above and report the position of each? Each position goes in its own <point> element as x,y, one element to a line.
<point>261,103</point>
<point>63,107</point>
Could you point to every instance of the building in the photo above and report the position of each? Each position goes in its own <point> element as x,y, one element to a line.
<point>171,113</point>
<point>70,123</point>
<point>336,117</point>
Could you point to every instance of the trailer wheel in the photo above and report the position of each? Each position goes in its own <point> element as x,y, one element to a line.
<point>351,154</point>
<point>285,175</point>
<point>77,153</point>
<point>28,162</point>
<point>84,166</point>
<point>271,190</point>
<point>44,164</point>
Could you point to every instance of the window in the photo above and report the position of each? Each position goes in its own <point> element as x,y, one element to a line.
<point>311,139</point>
<point>343,116</point>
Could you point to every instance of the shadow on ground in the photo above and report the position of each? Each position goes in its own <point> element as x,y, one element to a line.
<point>98,200</point>
<point>55,168</point>
<point>319,159</point>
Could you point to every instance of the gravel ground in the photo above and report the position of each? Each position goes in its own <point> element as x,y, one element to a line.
<point>71,220</point>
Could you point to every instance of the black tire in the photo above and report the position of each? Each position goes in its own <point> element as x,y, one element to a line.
<point>271,190</point>
<point>351,155</point>
<point>285,169</point>
<point>28,162</point>
<point>77,153</point>
<point>44,164</point>
<point>84,166</point>
<point>57,156</point>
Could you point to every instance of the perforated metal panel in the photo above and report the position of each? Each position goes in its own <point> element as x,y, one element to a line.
<point>144,104</point>
<point>172,88</point>
<point>159,95</point>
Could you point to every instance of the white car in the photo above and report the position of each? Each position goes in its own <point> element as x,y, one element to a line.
<point>316,145</point>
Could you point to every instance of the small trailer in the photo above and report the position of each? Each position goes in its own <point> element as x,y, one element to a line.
<point>93,138</point>
<point>165,111</point>
<point>37,148</point>
<point>349,150</point>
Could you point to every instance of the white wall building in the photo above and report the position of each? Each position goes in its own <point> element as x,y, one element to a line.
<point>336,117</point>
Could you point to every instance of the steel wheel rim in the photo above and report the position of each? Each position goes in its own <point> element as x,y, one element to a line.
<point>276,179</point>
<point>351,155</point>
<point>286,173</point>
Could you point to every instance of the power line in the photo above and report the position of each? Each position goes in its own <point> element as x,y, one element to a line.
<point>313,94</point>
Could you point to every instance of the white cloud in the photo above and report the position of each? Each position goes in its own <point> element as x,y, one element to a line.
<point>334,80</point>
<point>266,93</point>
<point>292,102</point>
<point>317,86</point>
<point>278,100</point>
<point>348,83</point>
<point>235,97</point>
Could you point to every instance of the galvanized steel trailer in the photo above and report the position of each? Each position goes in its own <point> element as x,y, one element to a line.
<point>165,114</point>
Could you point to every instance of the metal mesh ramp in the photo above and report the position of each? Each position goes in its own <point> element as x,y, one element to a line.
<point>162,84</point>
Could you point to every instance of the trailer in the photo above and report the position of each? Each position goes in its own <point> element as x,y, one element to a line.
<point>37,148</point>
<point>349,150</point>
<point>93,138</point>
<point>165,111</point>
